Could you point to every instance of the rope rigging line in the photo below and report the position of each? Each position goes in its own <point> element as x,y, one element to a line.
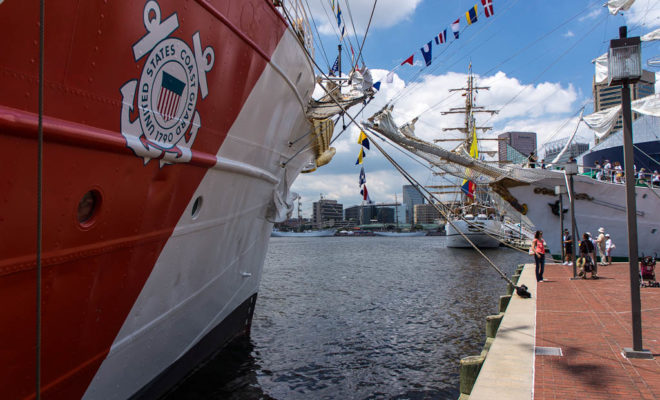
<point>491,234</point>
<point>366,32</point>
<point>417,186</point>
<point>345,112</point>
<point>428,70</point>
<point>357,40</point>
<point>40,156</point>
<point>318,35</point>
<point>537,77</point>
<point>335,29</point>
<point>581,12</point>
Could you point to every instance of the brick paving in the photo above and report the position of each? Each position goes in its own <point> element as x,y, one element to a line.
<point>590,321</point>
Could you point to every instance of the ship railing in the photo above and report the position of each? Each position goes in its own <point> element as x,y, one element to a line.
<point>296,14</point>
<point>645,179</point>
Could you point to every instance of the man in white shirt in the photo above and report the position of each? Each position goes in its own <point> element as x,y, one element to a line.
<point>601,245</point>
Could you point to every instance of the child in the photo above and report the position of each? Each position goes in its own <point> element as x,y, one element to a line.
<point>609,245</point>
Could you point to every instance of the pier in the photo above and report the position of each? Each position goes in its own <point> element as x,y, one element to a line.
<point>566,342</point>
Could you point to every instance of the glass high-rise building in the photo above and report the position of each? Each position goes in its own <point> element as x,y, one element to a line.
<point>606,96</point>
<point>411,197</point>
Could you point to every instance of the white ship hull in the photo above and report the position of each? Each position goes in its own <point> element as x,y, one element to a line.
<point>474,231</point>
<point>212,265</point>
<point>598,204</point>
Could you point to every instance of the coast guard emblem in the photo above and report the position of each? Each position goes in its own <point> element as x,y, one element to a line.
<point>172,79</point>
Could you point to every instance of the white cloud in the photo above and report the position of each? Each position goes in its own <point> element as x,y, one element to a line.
<point>568,34</point>
<point>592,15</point>
<point>645,13</point>
<point>540,108</point>
<point>388,13</point>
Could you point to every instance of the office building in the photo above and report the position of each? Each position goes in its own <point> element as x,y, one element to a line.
<point>411,197</point>
<point>370,213</point>
<point>606,96</point>
<point>553,148</point>
<point>327,213</point>
<point>426,214</point>
<point>515,147</point>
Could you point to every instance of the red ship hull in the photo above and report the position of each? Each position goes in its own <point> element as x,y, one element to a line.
<point>94,271</point>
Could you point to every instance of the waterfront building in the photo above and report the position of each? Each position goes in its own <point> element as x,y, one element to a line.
<point>327,213</point>
<point>426,214</point>
<point>411,197</point>
<point>359,214</point>
<point>606,96</point>
<point>515,147</point>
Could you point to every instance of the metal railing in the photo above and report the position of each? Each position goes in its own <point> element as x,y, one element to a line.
<point>296,14</point>
<point>618,176</point>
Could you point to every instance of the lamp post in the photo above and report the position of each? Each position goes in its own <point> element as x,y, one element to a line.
<point>560,190</point>
<point>571,169</point>
<point>624,66</point>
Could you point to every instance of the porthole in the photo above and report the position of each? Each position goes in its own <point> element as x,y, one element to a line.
<point>644,196</point>
<point>654,230</point>
<point>197,206</point>
<point>88,208</point>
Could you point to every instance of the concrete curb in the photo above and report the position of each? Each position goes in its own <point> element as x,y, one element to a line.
<point>508,370</point>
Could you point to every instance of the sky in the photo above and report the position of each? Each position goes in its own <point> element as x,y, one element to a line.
<point>534,55</point>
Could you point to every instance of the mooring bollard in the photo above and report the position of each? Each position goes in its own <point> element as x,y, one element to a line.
<point>504,302</point>
<point>470,367</point>
<point>486,349</point>
<point>509,289</point>
<point>492,324</point>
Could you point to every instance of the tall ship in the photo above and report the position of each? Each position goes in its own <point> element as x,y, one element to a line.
<point>172,132</point>
<point>531,191</point>
<point>475,216</point>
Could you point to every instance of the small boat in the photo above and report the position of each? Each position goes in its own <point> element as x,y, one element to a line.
<point>399,234</point>
<point>322,233</point>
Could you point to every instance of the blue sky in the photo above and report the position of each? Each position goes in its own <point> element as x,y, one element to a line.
<point>535,55</point>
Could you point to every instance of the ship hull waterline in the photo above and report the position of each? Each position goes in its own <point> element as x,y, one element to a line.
<point>174,250</point>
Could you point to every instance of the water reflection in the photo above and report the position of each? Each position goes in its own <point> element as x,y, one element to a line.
<point>359,318</point>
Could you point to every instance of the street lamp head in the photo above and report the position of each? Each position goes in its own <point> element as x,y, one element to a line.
<point>571,168</point>
<point>624,59</point>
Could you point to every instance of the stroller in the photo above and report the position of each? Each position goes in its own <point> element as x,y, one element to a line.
<point>647,272</point>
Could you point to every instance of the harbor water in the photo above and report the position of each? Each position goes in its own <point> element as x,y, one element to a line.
<point>359,318</point>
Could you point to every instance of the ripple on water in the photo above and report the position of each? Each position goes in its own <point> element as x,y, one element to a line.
<point>359,318</point>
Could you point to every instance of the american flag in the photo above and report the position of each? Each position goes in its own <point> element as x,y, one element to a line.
<point>170,93</point>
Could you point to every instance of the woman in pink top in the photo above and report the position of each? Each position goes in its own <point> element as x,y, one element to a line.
<point>538,244</point>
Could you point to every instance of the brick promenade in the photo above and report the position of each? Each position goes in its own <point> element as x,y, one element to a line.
<point>590,321</point>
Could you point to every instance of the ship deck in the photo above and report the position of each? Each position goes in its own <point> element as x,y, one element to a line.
<point>590,321</point>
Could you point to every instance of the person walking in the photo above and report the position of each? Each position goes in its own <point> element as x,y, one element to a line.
<point>601,245</point>
<point>568,248</point>
<point>609,246</point>
<point>538,245</point>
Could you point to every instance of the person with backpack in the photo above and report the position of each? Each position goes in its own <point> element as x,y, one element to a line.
<point>585,263</point>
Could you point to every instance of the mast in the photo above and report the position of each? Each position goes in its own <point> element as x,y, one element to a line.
<point>396,212</point>
<point>469,110</point>
<point>470,126</point>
